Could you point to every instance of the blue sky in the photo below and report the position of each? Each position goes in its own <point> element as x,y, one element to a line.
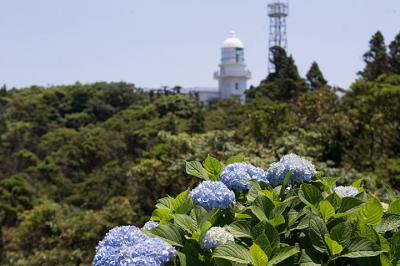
<point>177,42</point>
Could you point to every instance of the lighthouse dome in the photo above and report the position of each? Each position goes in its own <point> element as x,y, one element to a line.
<point>232,41</point>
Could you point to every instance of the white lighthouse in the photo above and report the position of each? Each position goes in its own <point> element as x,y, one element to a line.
<point>233,75</point>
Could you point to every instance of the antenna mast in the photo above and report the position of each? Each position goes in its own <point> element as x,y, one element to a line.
<point>277,12</point>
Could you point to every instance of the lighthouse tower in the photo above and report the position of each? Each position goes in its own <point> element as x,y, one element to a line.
<point>233,75</point>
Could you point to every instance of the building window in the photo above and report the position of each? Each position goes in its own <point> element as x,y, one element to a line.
<point>236,86</point>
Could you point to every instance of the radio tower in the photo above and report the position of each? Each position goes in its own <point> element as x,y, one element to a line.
<point>277,11</point>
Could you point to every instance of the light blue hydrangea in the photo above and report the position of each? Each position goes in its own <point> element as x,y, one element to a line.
<point>213,195</point>
<point>345,192</point>
<point>216,236</point>
<point>301,170</point>
<point>150,225</point>
<point>127,245</point>
<point>236,176</point>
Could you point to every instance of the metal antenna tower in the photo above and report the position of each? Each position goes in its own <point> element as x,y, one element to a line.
<point>277,12</point>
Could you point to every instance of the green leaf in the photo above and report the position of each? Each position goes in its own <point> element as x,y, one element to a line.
<point>283,254</point>
<point>358,184</point>
<point>240,229</point>
<point>185,222</point>
<point>262,207</point>
<point>389,222</point>
<point>162,215</point>
<point>165,203</point>
<point>371,213</point>
<point>182,203</point>
<point>235,159</point>
<point>170,232</point>
<point>395,247</point>
<point>362,247</point>
<point>266,237</point>
<point>327,210</point>
<point>310,195</point>
<point>395,207</point>
<point>232,252</point>
<point>258,256</point>
<point>317,232</point>
<point>277,220</point>
<point>342,233</point>
<point>334,247</point>
<point>195,168</point>
<point>350,204</point>
<point>213,168</point>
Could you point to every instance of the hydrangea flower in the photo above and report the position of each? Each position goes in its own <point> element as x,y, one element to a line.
<point>213,195</point>
<point>236,176</point>
<point>216,236</point>
<point>127,245</point>
<point>150,225</point>
<point>348,191</point>
<point>301,170</point>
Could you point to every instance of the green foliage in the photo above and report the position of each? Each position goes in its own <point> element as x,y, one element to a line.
<point>315,77</point>
<point>315,229</point>
<point>394,54</point>
<point>111,150</point>
<point>376,59</point>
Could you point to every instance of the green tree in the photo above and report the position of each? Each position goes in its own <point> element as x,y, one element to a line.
<point>394,53</point>
<point>315,77</point>
<point>284,83</point>
<point>376,59</point>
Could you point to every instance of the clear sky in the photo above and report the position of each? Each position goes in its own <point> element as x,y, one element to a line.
<point>177,42</point>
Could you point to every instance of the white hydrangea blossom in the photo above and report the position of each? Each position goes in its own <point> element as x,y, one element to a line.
<point>216,236</point>
<point>347,191</point>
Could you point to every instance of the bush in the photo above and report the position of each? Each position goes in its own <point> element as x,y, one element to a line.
<point>297,222</point>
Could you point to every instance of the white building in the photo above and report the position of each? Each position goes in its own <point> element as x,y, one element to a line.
<point>232,76</point>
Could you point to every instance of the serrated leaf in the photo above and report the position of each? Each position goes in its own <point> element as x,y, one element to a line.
<point>395,207</point>
<point>258,256</point>
<point>310,195</point>
<point>235,159</point>
<point>342,233</point>
<point>371,213</point>
<point>213,168</point>
<point>162,215</point>
<point>165,203</point>
<point>388,223</point>
<point>240,229</point>
<point>362,247</point>
<point>265,229</point>
<point>395,247</point>
<point>327,210</point>
<point>317,232</point>
<point>195,168</point>
<point>169,232</point>
<point>334,247</point>
<point>350,204</point>
<point>185,222</point>
<point>283,254</point>
<point>358,184</point>
<point>262,207</point>
<point>232,252</point>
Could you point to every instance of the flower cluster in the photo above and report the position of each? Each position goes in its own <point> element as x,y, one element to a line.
<point>213,194</point>
<point>236,176</point>
<point>347,191</point>
<point>216,236</point>
<point>127,245</point>
<point>300,170</point>
<point>150,225</point>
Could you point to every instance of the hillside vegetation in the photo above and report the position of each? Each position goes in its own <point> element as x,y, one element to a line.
<point>78,160</point>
